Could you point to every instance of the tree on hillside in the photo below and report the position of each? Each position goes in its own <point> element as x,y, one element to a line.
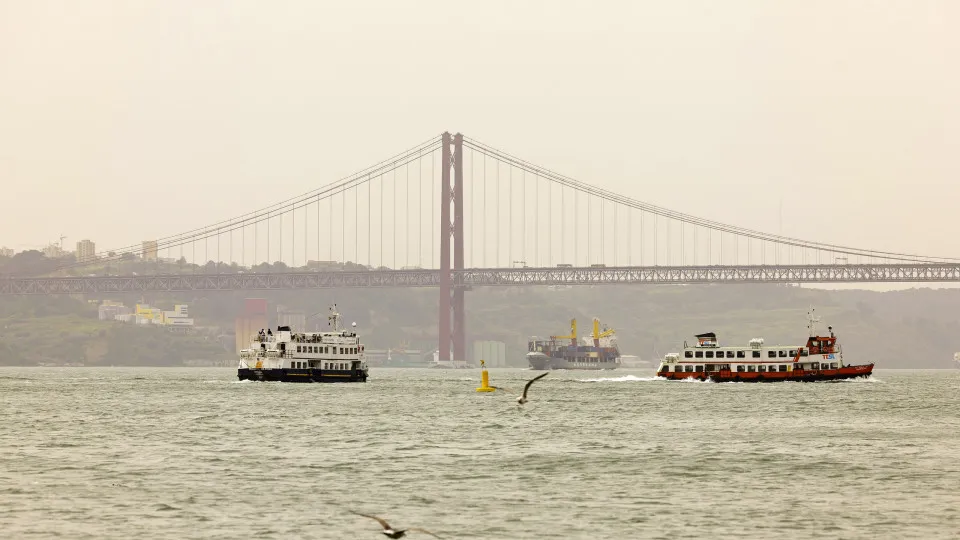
<point>29,263</point>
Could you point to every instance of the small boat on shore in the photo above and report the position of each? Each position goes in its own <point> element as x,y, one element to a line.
<point>820,359</point>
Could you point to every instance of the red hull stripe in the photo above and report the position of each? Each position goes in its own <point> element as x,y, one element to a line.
<point>846,372</point>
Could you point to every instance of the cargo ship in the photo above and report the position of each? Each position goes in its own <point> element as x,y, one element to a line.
<point>820,359</point>
<point>288,356</point>
<point>599,350</point>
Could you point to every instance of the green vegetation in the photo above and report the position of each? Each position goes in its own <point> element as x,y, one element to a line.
<point>82,339</point>
<point>913,328</point>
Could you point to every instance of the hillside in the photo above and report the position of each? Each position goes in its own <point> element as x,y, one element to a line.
<point>913,328</point>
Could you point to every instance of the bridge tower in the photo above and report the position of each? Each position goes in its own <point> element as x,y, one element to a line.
<point>452,316</point>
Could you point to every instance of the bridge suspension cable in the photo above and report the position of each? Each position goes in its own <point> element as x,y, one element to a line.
<point>603,194</point>
<point>275,210</point>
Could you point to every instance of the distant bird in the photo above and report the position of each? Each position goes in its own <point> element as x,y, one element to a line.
<point>389,531</point>
<point>523,399</point>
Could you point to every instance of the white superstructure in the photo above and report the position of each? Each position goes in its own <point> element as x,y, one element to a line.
<point>333,351</point>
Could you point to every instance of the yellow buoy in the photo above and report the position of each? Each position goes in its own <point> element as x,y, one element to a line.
<point>485,380</point>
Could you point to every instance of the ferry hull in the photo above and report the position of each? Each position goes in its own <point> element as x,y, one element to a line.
<point>542,362</point>
<point>839,374</point>
<point>300,375</point>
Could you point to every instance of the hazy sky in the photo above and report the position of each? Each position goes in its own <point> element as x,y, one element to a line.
<point>122,121</point>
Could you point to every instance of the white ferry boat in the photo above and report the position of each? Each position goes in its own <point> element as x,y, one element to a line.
<point>288,356</point>
<point>820,359</point>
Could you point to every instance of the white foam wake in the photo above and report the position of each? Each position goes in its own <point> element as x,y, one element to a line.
<point>625,378</point>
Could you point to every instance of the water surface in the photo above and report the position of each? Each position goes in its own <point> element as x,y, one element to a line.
<point>193,453</point>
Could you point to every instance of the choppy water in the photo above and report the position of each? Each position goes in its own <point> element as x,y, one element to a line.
<point>192,453</point>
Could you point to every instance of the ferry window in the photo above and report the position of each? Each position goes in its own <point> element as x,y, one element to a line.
<point>689,369</point>
<point>740,369</point>
<point>793,353</point>
<point>803,352</point>
<point>710,354</point>
<point>756,354</point>
<point>664,369</point>
<point>688,354</point>
<point>699,369</point>
<point>771,354</point>
<point>816,365</point>
<point>783,354</point>
<point>751,369</point>
<point>762,369</point>
<point>741,354</point>
<point>833,365</point>
<point>730,353</point>
<point>298,348</point>
<point>699,354</point>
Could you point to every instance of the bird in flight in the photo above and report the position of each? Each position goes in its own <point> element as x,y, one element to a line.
<point>523,399</point>
<point>389,531</point>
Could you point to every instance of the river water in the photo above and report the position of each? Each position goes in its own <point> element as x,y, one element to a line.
<point>193,453</point>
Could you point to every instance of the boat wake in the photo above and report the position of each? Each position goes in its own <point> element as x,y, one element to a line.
<point>625,378</point>
<point>861,380</point>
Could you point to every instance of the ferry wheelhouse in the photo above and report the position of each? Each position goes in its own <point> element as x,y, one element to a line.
<point>288,356</point>
<point>820,359</point>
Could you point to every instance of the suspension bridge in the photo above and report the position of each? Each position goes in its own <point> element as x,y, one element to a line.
<point>455,213</point>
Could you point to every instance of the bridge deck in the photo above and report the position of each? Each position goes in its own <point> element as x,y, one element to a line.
<point>489,277</point>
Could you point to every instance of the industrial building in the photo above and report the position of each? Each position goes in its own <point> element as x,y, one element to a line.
<point>493,353</point>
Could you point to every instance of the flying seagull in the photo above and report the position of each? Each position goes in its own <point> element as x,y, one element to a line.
<point>523,399</point>
<point>389,531</point>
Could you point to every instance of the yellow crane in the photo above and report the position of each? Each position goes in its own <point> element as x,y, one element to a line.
<point>573,333</point>
<point>597,334</point>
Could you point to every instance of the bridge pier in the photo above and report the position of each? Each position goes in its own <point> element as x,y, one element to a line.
<point>452,316</point>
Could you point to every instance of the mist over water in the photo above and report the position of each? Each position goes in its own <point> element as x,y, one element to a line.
<point>192,453</point>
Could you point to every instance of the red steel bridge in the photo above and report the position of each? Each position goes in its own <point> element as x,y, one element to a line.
<point>455,213</point>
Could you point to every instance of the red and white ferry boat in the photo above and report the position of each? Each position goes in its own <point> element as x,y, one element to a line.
<point>821,359</point>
